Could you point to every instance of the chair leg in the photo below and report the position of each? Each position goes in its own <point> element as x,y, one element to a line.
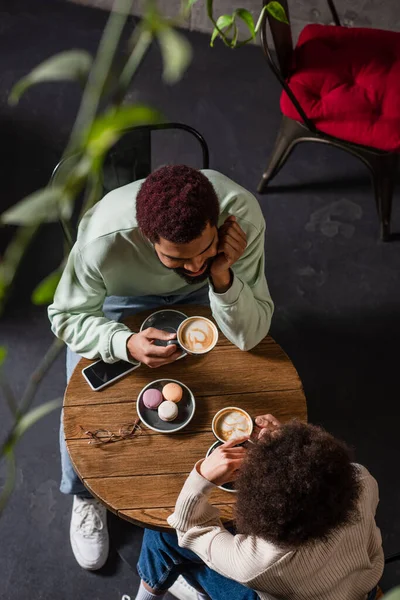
<point>384,169</point>
<point>290,133</point>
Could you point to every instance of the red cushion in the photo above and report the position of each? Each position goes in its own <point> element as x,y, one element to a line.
<point>348,83</point>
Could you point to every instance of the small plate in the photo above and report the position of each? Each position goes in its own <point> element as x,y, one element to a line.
<point>166,320</point>
<point>150,418</point>
<point>227,487</point>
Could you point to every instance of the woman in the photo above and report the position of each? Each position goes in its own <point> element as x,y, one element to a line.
<point>305,523</point>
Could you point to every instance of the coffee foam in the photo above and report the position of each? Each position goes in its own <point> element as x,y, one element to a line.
<point>233,424</point>
<point>198,335</point>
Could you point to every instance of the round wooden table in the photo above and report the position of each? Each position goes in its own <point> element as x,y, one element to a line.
<point>140,478</point>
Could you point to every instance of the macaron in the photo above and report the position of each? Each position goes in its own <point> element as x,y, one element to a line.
<point>152,398</point>
<point>172,392</point>
<point>167,411</point>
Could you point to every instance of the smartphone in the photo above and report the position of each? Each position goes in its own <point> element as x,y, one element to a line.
<point>100,374</point>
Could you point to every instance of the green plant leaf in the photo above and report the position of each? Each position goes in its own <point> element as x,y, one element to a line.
<point>223,22</point>
<point>33,416</point>
<point>247,17</point>
<point>176,52</point>
<point>70,65</point>
<point>3,354</point>
<point>12,258</point>
<point>277,11</point>
<point>44,292</point>
<point>45,205</point>
<point>393,594</point>
<point>107,129</point>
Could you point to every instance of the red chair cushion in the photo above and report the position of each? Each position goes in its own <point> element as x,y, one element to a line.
<point>348,83</point>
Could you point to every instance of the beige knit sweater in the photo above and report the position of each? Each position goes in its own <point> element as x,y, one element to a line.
<point>346,567</point>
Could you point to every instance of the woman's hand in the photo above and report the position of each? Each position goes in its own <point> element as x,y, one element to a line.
<point>223,464</point>
<point>266,424</point>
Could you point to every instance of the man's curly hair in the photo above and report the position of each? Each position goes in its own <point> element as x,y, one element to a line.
<point>176,203</point>
<point>296,486</point>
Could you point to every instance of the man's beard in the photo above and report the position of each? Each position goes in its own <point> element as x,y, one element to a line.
<point>194,280</point>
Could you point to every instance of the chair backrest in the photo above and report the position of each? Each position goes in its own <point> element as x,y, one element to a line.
<point>282,37</point>
<point>283,42</point>
<point>130,158</point>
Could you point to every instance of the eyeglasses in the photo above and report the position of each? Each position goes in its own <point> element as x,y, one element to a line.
<point>104,436</point>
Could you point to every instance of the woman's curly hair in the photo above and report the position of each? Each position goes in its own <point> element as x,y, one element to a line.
<point>296,486</point>
<point>176,203</point>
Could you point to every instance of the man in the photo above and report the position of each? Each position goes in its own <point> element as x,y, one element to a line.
<point>179,236</point>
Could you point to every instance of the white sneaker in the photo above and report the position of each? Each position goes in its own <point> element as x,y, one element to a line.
<point>182,590</point>
<point>88,533</point>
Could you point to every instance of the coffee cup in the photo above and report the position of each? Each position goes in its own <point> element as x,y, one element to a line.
<point>232,423</point>
<point>196,335</point>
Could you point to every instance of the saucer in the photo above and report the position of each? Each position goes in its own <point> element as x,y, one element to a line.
<point>186,408</point>
<point>166,320</point>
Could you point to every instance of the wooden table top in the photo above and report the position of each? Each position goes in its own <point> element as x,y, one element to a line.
<point>139,479</point>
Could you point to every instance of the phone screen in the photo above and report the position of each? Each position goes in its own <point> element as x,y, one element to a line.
<point>101,373</point>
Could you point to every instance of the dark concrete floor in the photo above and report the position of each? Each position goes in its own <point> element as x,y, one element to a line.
<point>336,287</point>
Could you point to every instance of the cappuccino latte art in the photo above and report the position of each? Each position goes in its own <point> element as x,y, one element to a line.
<point>197,335</point>
<point>233,424</point>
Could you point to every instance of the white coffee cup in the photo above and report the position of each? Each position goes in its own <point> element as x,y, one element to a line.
<point>236,424</point>
<point>196,335</point>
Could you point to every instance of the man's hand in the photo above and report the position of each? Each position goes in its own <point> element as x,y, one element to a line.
<point>141,347</point>
<point>266,424</point>
<point>232,243</point>
<point>223,464</point>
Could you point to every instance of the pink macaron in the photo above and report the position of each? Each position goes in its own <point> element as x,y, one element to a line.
<point>152,398</point>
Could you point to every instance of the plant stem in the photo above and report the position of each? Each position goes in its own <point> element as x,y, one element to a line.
<point>98,74</point>
<point>67,229</point>
<point>10,480</point>
<point>8,394</point>
<point>141,47</point>
<point>12,258</point>
<point>92,193</point>
<point>38,374</point>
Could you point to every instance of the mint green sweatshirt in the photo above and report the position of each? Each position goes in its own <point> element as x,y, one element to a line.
<point>111,257</point>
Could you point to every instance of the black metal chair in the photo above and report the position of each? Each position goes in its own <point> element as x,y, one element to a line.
<point>382,164</point>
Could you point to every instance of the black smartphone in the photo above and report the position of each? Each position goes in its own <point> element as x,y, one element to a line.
<point>100,374</point>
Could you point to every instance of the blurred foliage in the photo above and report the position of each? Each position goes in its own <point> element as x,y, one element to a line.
<point>103,117</point>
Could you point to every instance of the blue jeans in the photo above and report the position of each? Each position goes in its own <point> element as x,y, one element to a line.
<point>116,308</point>
<point>161,561</point>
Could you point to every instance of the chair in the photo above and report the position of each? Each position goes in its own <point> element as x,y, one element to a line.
<point>341,86</point>
<point>130,158</point>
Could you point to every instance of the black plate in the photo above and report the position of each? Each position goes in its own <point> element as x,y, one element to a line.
<point>186,409</point>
